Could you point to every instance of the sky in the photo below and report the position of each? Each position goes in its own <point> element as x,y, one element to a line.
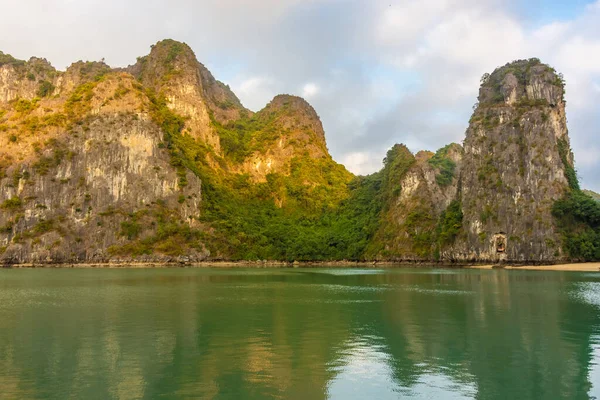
<point>377,72</point>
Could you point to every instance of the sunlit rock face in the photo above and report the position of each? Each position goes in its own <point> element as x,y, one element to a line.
<point>299,132</point>
<point>171,68</point>
<point>77,161</point>
<point>89,172</point>
<point>512,169</point>
<point>20,79</point>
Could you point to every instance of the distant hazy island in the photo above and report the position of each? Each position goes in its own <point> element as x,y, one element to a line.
<point>159,162</point>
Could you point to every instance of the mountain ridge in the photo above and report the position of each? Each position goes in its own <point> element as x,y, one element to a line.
<point>159,162</point>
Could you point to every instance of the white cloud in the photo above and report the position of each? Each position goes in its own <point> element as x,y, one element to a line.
<point>310,90</point>
<point>404,22</point>
<point>361,163</point>
<point>250,85</point>
<point>476,40</point>
<point>551,32</point>
<point>452,50</point>
<point>255,92</point>
<point>582,54</point>
<point>594,6</point>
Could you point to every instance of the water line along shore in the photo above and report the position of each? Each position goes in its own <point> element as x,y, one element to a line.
<point>581,267</point>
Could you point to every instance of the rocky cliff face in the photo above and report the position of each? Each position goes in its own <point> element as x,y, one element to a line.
<point>419,189</point>
<point>20,79</point>
<point>100,164</point>
<point>171,69</point>
<point>80,162</point>
<point>492,201</point>
<point>296,130</point>
<point>513,169</point>
<point>161,162</point>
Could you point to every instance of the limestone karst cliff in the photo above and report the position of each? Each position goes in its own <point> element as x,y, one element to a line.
<point>78,155</point>
<point>101,164</point>
<point>419,189</point>
<point>159,161</point>
<point>513,171</point>
<point>291,124</point>
<point>499,201</point>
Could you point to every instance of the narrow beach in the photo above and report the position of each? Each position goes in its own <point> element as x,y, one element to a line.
<point>582,267</point>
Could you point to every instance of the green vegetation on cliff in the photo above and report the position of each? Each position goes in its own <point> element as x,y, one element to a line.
<point>242,137</point>
<point>10,60</point>
<point>168,235</point>
<point>450,224</point>
<point>564,151</point>
<point>592,194</point>
<point>321,218</point>
<point>444,164</point>
<point>46,88</point>
<point>494,85</point>
<point>578,215</point>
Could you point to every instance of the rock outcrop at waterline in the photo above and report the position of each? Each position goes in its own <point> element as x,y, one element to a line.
<point>513,169</point>
<point>161,162</point>
<point>502,184</point>
<point>422,187</point>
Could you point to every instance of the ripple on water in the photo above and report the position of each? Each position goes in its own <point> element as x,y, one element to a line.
<point>344,271</point>
<point>588,292</point>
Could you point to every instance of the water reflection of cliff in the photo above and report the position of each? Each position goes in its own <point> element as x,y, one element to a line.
<point>301,334</point>
<point>518,335</point>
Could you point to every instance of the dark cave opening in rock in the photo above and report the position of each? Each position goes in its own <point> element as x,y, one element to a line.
<point>500,243</point>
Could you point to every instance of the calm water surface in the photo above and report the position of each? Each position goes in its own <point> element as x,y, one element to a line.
<point>299,334</point>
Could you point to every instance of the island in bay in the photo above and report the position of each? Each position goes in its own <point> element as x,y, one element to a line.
<point>160,162</point>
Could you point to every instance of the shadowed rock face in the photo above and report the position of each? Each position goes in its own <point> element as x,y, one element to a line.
<point>512,169</point>
<point>506,180</point>
<point>419,196</point>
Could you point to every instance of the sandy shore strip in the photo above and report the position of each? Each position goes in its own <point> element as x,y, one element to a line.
<point>582,267</point>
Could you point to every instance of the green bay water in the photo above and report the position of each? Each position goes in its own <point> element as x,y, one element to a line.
<point>298,334</point>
